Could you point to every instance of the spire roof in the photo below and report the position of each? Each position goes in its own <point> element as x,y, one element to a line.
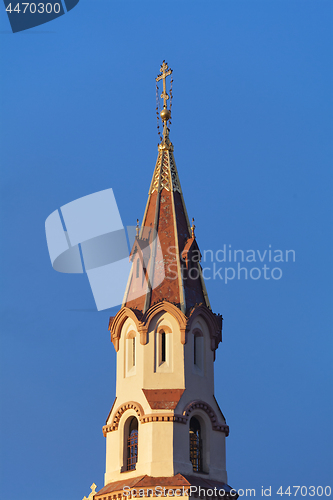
<point>165,253</point>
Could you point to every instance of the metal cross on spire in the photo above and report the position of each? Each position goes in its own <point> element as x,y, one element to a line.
<point>165,71</point>
<point>165,113</point>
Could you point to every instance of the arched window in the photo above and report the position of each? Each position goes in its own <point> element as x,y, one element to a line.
<point>132,444</point>
<point>195,445</point>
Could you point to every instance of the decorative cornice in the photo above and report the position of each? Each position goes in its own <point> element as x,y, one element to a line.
<point>116,323</point>
<point>164,306</point>
<point>142,322</point>
<point>214,323</point>
<point>160,417</point>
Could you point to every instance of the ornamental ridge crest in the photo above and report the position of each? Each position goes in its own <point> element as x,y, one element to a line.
<point>165,174</point>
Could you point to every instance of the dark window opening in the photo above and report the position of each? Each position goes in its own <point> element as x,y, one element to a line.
<point>195,350</point>
<point>137,268</point>
<point>163,347</point>
<point>195,445</point>
<point>198,350</point>
<point>132,445</point>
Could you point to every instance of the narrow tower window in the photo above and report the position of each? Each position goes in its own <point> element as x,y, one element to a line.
<point>195,445</point>
<point>137,268</point>
<point>195,350</point>
<point>163,349</point>
<point>163,346</point>
<point>132,444</point>
<point>130,353</point>
<point>198,349</point>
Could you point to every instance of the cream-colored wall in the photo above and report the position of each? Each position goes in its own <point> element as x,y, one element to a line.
<point>146,375</point>
<point>155,450</point>
<point>163,448</point>
<point>128,387</point>
<point>153,377</point>
<point>199,383</point>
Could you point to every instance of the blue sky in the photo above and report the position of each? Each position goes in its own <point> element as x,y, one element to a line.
<point>252,130</point>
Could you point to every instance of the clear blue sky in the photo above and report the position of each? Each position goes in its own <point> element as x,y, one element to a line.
<point>252,130</point>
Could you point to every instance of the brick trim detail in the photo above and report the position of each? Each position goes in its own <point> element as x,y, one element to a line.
<point>201,405</point>
<point>214,322</point>
<point>166,417</point>
<point>163,399</point>
<point>131,405</point>
<point>142,322</point>
<point>160,417</point>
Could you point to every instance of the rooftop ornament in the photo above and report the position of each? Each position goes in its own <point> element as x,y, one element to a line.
<point>192,229</point>
<point>165,113</point>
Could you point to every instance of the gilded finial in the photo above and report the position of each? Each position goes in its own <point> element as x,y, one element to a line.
<point>192,229</point>
<point>137,228</point>
<point>165,113</point>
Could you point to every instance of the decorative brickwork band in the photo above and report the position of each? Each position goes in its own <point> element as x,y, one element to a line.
<point>181,419</point>
<point>131,405</point>
<point>201,405</point>
<point>163,418</point>
<point>166,417</point>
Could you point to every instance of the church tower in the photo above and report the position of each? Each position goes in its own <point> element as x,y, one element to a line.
<point>165,428</point>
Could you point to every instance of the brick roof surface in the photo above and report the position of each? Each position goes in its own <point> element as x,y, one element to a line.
<point>179,480</point>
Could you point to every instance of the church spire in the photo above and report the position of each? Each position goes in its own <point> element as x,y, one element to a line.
<point>165,255</point>
<point>165,426</point>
